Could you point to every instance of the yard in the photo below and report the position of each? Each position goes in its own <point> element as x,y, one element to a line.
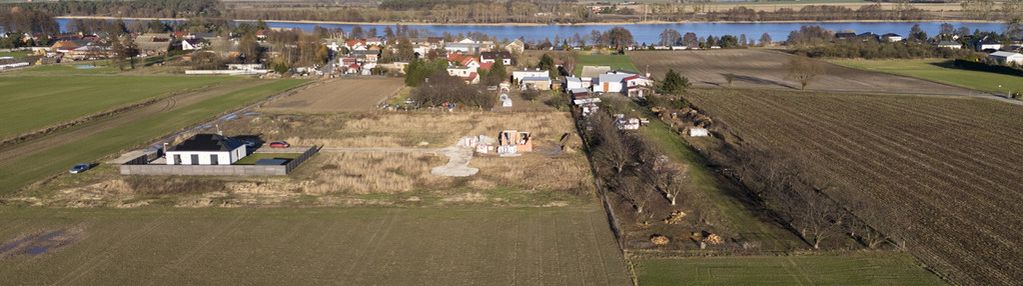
<point>940,70</point>
<point>385,246</point>
<point>883,268</point>
<point>252,158</point>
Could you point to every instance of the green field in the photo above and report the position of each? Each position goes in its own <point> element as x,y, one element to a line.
<point>889,268</point>
<point>252,158</point>
<point>617,62</point>
<point>310,246</point>
<point>32,102</point>
<point>58,158</point>
<point>940,70</point>
<point>15,54</point>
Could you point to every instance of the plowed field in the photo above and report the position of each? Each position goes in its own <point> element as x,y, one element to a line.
<point>942,174</point>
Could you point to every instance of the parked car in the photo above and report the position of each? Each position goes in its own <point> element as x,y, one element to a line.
<point>279,144</point>
<point>81,167</point>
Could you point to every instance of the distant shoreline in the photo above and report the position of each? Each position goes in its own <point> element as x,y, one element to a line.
<point>387,23</point>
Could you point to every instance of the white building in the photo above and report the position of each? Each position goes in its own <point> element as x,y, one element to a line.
<point>206,149</point>
<point>1007,57</point>
<point>572,83</point>
<point>517,76</point>
<point>892,37</point>
<point>611,82</point>
<point>192,44</point>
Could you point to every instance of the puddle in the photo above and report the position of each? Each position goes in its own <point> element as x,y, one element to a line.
<point>85,67</point>
<point>39,243</point>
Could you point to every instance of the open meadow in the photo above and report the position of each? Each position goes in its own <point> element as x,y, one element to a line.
<point>754,68</point>
<point>339,95</point>
<point>361,246</point>
<point>940,70</point>
<point>939,175</point>
<point>882,268</point>
<point>616,62</point>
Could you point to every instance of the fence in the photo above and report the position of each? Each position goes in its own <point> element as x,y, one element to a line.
<point>219,170</point>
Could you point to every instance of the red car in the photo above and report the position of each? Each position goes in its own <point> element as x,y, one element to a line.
<point>279,144</point>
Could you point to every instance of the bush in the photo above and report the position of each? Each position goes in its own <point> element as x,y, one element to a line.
<point>530,94</point>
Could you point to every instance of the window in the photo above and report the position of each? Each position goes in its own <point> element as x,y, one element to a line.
<point>177,159</point>
<point>213,160</point>
<point>195,159</point>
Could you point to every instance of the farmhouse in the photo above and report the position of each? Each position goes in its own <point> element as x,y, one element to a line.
<point>1007,58</point>
<point>491,57</point>
<point>206,149</point>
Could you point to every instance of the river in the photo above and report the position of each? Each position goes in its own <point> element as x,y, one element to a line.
<point>650,33</point>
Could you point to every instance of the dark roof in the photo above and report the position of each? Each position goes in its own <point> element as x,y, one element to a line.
<point>208,142</point>
<point>891,35</point>
<point>495,55</point>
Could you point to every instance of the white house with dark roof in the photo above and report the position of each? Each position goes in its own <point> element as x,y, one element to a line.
<point>206,149</point>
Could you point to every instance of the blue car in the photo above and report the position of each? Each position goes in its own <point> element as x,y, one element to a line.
<point>79,168</point>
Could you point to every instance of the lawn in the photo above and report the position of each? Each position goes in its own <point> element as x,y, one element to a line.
<point>940,70</point>
<point>890,268</point>
<point>252,158</point>
<point>32,102</point>
<point>617,62</point>
<point>310,246</point>
<point>42,164</point>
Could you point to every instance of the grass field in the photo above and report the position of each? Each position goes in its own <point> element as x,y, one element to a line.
<point>617,62</point>
<point>940,174</point>
<point>302,246</point>
<point>32,102</point>
<point>15,54</point>
<point>847,269</point>
<point>940,70</point>
<point>36,166</point>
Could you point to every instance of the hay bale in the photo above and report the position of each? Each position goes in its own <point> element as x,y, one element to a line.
<point>713,239</point>
<point>659,240</point>
<point>675,217</point>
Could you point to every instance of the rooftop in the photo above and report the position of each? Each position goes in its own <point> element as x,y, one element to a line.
<point>208,142</point>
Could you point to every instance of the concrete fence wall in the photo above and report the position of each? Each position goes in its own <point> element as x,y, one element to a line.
<point>218,170</point>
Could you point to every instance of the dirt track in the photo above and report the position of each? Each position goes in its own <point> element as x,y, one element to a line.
<point>766,69</point>
<point>339,95</point>
<point>40,144</point>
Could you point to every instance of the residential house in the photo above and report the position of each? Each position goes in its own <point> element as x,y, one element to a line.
<point>66,46</point>
<point>536,83</point>
<point>949,45</point>
<point>574,83</point>
<point>892,37</point>
<point>845,35</point>
<point>466,46</point>
<point>637,85</point>
<point>91,51</point>
<point>1007,58</point>
<point>374,41</point>
<point>206,149</point>
<point>365,56</point>
<point>491,57</point>
<point>193,44</point>
<point>517,76</point>
<point>987,44</point>
<point>611,82</point>
<point>515,47</point>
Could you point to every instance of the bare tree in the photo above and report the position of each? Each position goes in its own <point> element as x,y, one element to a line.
<point>804,70</point>
<point>611,149</point>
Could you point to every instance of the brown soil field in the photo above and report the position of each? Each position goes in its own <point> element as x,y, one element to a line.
<point>309,246</point>
<point>940,174</point>
<point>754,68</point>
<point>339,95</point>
<point>377,158</point>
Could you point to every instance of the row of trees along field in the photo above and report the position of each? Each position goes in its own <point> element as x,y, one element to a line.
<point>815,41</point>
